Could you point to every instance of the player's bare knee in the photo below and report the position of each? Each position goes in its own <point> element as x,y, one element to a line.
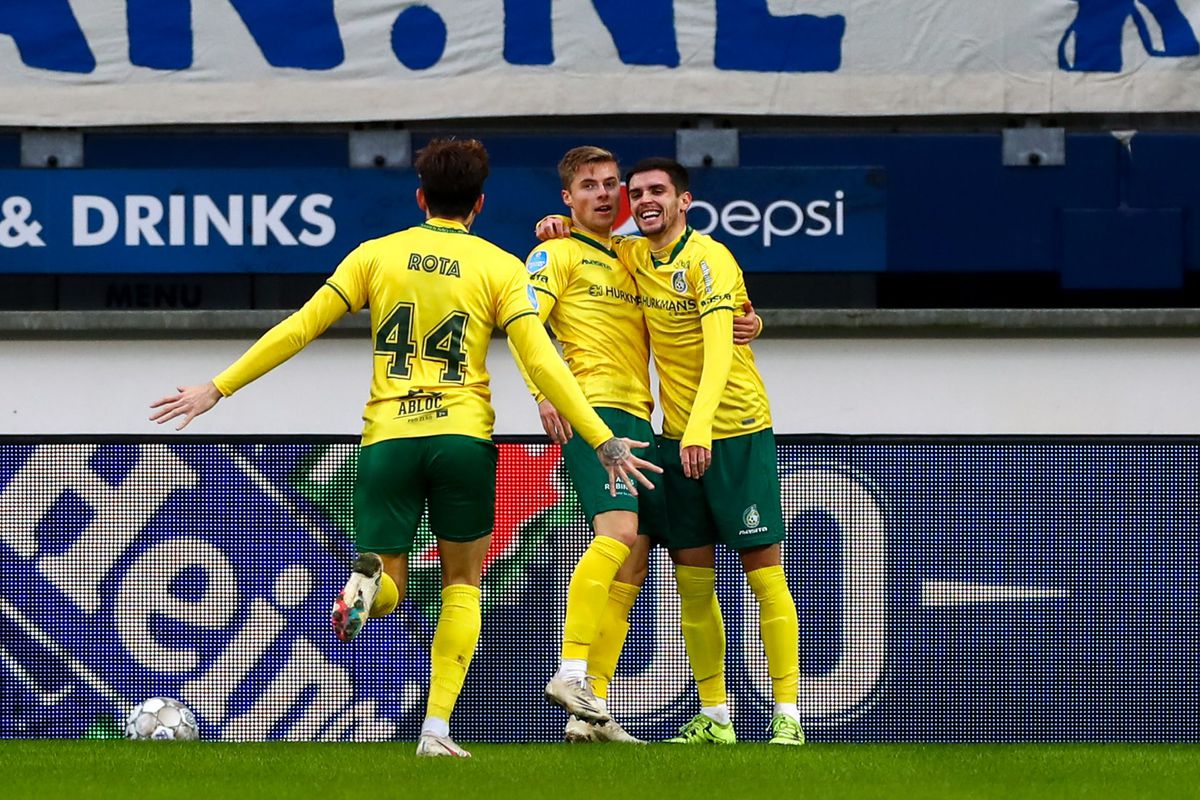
<point>705,557</point>
<point>619,525</point>
<point>767,555</point>
<point>395,566</point>
<point>637,565</point>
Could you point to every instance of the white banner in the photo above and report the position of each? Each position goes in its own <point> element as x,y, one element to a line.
<point>103,62</point>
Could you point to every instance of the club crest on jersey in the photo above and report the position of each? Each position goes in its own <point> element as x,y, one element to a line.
<point>679,281</point>
<point>533,298</point>
<point>537,262</point>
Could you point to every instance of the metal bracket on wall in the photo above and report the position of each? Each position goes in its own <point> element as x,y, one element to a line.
<point>51,149</point>
<point>380,148</point>
<point>707,146</point>
<point>1035,146</point>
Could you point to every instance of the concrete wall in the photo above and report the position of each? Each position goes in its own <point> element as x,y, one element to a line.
<point>844,385</point>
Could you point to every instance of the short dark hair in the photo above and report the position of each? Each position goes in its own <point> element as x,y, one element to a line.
<point>675,171</point>
<point>578,157</point>
<point>452,172</point>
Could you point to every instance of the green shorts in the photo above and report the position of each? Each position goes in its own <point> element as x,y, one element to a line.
<point>735,503</point>
<point>454,475</point>
<point>591,479</point>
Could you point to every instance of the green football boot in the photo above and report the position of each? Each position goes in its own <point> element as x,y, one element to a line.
<point>785,730</point>
<point>705,730</point>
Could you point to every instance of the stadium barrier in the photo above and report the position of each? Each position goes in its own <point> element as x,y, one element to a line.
<point>949,589</point>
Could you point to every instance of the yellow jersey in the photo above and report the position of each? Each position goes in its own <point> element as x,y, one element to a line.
<point>591,302</point>
<point>435,293</point>
<point>708,387</point>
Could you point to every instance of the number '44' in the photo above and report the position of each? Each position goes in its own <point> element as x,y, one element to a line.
<point>443,344</point>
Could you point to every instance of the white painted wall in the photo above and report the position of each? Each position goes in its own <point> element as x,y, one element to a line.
<point>897,386</point>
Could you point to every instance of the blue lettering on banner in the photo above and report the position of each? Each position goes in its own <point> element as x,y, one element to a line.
<point>304,34</point>
<point>160,32</point>
<point>293,220</point>
<point>47,35</point>
<point>748,36</point>
<point>1098,29</point>
<point>419,37</point>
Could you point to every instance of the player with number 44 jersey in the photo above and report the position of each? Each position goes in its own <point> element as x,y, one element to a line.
<point>436,293</point>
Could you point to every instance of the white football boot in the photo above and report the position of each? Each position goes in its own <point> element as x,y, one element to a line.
<point>578,731</point>
<point>353,605</point>
<point>575,696</point>
<point>430,745</point>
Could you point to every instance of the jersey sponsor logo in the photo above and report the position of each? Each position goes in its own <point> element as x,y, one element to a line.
<point>537,261</point>
<point>540,278</point>
<point>419,262</point>
<point>674,306</point>
<point>533,298</point>
<point>679,281</point>
<point>417,406</point>
<point>716,298</point>
<point>591,262</point>
<point>613,293</point>
<point>704,271</point>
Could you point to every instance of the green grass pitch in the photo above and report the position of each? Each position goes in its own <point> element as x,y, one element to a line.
<point>246,771</point>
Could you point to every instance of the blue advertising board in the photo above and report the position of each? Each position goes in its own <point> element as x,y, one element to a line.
<point>982,590</point>
<point>306,220</point>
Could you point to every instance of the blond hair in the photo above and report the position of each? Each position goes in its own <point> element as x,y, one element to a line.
<point>577,157</point>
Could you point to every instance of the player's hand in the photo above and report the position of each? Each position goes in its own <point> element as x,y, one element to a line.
<point>617,457</point>
<point>554,226</point>
<point>189,403</point>
<point>696,460</point>
<point>554,423</point>
<point>747,327</point>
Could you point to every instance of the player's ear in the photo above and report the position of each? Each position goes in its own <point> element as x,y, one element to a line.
<point>478,206</point>
<point>566,196</point>
<point>421,202</point>
<point>685,201</point>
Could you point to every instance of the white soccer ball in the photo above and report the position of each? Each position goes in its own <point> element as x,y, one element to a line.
<point>161,718</point>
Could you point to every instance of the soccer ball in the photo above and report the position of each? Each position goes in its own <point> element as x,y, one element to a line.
<point>161,718</point>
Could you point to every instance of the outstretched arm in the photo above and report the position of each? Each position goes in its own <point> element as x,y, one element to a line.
<point>189,402</point>
<point>276,346</point>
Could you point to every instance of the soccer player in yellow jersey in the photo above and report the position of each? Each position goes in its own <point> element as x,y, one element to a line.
<point>592,305</point>
<point>717,448</point>
<point>435,293</point>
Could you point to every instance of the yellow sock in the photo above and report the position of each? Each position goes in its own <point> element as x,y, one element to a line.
<point>780,630</point>
<point>610,637</point>
<point>453,646</point>
<point>703,631</point>
<point>588,593</point>
<point>387,599</point>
